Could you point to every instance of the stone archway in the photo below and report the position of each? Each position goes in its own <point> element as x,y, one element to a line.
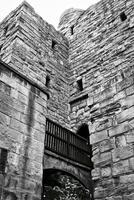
<point>59,184</point>
<point>78,172</point>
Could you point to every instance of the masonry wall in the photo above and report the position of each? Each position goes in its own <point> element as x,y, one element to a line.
<point>101,53</point>
<point>96,45</point>
<point>22,132</point>
<point>36,49</point>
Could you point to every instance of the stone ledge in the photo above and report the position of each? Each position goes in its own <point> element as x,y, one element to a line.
<point>44,90</point>
<point>66,160</point>
<point>77,98</point>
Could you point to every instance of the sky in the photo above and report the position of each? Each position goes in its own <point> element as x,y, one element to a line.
<point>49,10</point>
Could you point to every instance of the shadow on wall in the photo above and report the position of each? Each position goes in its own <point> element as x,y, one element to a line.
<point>83,131</point>
<point>9,196</point>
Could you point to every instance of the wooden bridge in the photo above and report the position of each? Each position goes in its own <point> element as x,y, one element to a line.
<point>67,144</point>
<point>69,153</point>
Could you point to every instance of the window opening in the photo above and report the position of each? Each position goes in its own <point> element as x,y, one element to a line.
<point>80,85</point>
<point>72,30</point>
<point>54,43</point>
<point>83,131</point>
<point>5,30</point>
<point>47,81</point>
<point>123,16</point>
<point>3,160</point>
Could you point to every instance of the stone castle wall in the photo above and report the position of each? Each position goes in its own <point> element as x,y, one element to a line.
<point>90,65</point>
<point>36,49</point>
<point>22,132</point>
<point>101,53</point>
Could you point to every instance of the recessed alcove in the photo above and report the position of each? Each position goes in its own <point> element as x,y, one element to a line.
<point>123,16</point>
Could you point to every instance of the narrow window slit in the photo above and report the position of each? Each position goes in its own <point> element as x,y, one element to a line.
<point>3,160</point>
<point>5,30</point>
<point>123,16</point>
<point>122,75</point>
<point>47,81</point>
<point>72,30</point>
<point>80,85</point>
<point>54,43</point>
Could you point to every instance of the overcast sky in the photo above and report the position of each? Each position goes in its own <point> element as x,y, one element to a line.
<point>49,10</point>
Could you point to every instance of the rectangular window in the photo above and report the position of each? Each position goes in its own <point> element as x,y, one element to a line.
<point>47,81</point>
<point>54,43</point>
<point>80,85</point>
<point>3,160</point>
<point>72,30</point>
<point>123,16</point>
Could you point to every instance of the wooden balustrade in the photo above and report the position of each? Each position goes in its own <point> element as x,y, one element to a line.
<point>66,143</point>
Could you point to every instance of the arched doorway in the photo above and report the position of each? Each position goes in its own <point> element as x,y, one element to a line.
<point>61,185</point>
<point>83,131</point>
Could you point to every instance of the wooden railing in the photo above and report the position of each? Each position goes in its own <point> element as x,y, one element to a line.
<point>66,143</point>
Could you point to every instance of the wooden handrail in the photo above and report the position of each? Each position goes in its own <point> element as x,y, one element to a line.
<point>66,143</point>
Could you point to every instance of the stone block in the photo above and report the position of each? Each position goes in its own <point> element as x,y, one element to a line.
<point>38,135</point>
<point>129,197</point>
<point>114,198</point>
<point>23,90</point>
<point>19,106</point>
<point>103,159</point>
<point>125,115</point>
<point>130,137</point>
<point>120,141</point>
<point>38,126</point>
<point>90,101</point>
<point>6,108</point>
<point>99,193</point>
<point>119,129</point>
<point>121,167</point>
<point>99,136</point>
<point>105,146</point>
<point>131,161</point>
<point>130,90</point>
<point>131,187</point>
<point>127,179</point>
<point>106,172</point>
<point>14,93</point>
<point>96,173</point>
<point>119,96</point>
<point>17,125</point>
<point>127,102</point>
<point>15,135</point>
<point>4,119</point>
<point>39,117</point>
<point>122,153</point>
<point>22,98</point>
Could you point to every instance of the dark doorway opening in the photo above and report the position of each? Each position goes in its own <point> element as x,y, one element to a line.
<point>61,185</point>
<point>83,131</point>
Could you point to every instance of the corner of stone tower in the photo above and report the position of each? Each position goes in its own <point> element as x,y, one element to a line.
<point>26,4</point>
<point>68,18</point>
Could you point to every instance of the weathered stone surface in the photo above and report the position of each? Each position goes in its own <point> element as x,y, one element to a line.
<point>106,172</point>
<point>121,167</point>
<point>100,136</point>
<point>94,46</point>
<point>25,151</point>
<point>127,179</point>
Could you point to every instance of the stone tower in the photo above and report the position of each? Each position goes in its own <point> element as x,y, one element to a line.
<point>81,74</point>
